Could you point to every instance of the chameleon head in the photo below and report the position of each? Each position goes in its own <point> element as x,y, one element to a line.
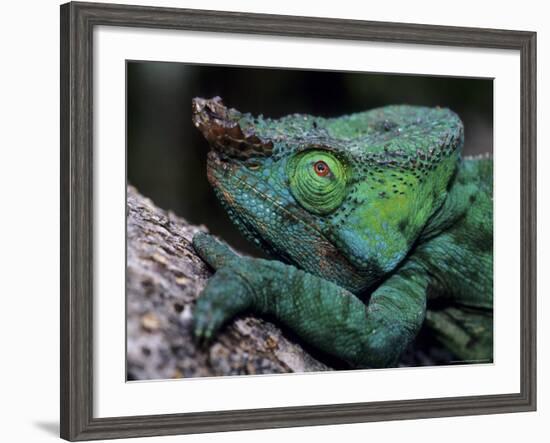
<point>343,198</point>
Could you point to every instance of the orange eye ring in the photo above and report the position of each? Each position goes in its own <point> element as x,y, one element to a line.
<point>321,168</point>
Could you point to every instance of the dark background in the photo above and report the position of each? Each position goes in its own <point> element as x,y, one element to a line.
<point>166,155</point>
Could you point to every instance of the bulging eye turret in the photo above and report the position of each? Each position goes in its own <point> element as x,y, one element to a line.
<point>317,180</point>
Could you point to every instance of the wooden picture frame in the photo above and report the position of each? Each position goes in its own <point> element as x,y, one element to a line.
<point>77,23</point>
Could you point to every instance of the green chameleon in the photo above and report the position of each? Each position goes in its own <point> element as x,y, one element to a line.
<point>376,223</point>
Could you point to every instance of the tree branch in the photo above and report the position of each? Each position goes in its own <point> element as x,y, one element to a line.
<point>164,278</point>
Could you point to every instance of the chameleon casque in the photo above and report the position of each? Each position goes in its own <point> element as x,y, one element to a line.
<point>376,224</point>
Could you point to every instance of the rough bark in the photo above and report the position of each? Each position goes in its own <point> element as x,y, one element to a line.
<point>164,278</point>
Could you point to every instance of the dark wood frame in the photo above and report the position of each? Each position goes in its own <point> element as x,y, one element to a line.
<point>77,24</point>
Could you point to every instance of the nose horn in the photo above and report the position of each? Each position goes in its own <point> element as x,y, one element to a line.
<point>212,118</point>
<point>205,109</point>
<point>220,126</point>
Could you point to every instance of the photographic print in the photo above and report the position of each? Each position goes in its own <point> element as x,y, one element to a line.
<point>265,212</point>
<point>283,220</point>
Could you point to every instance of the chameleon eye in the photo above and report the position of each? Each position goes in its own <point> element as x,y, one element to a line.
<point>317,180</point>
<point>321,168</point>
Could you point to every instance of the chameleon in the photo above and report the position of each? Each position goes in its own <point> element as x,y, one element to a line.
<point>375,224</point>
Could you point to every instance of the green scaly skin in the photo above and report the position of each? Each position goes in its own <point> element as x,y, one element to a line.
<point>375,223</point>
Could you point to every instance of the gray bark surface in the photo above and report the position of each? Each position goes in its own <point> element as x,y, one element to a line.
<point>164,278</point>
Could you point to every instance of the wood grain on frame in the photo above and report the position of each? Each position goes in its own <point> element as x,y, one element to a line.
<point>77,23</point>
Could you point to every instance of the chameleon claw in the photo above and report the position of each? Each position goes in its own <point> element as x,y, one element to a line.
<point>200,338</point>
<point>206,325</point>
<point>224,296</point>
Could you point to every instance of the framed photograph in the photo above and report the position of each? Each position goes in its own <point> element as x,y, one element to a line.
<point>273,221</point>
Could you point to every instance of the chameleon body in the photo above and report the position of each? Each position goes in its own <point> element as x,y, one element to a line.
<point>376,224</point>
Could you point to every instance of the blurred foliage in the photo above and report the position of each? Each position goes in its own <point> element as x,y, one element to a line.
<point>166,155</point>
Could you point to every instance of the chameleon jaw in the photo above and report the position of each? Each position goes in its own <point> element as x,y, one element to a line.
<point>221,128</point>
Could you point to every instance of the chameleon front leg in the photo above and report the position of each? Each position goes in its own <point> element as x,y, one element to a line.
<point>321,313</point>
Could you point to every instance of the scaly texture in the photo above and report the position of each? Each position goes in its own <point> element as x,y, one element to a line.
<point>372,217</point>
